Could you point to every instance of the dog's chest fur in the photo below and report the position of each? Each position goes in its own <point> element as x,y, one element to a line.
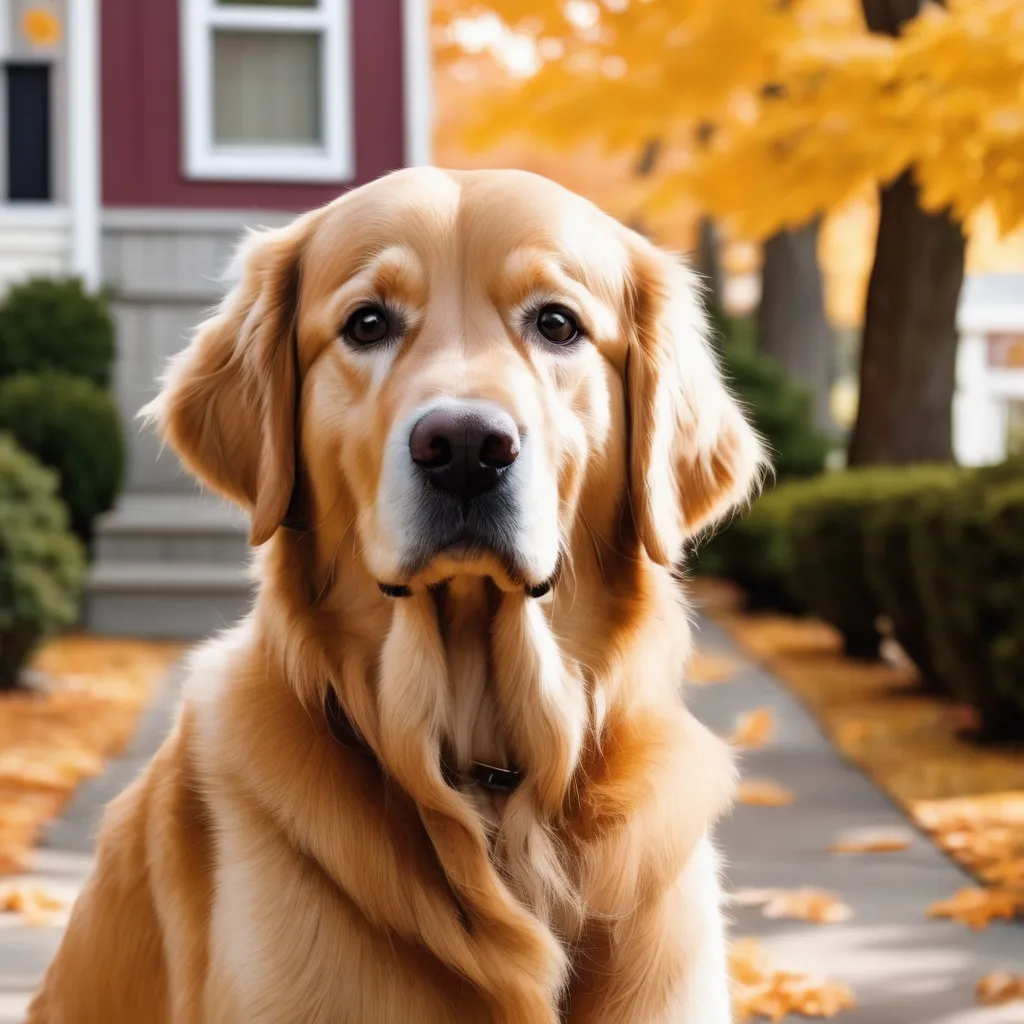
<point>523,848</point>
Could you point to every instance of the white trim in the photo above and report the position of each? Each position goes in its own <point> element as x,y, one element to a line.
<point>129,219</point>
<point>84,140</point>
<point>334,160</point>
<point>982,319</point>
<point>34,215</point>
<point>268,19</point>
<point>418,83</point>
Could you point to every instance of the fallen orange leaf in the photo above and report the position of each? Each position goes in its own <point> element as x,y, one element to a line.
<point>14,859</point>
<point>34,903</point>
<point>983,833</point>
<point>978,908</point>
<point>999,987</point>
<point>759,990</point>
<point>754,729</point>
<point>763,793</point>
<point>1008,873</point>
<point>875,844</point>
<point>56,769</point>
<point>849,734</point>
<point>748,962</point>
<point>815,905</point>
<point>705,668</point>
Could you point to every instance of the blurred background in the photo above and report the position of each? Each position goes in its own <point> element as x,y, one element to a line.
<point>847,176</point>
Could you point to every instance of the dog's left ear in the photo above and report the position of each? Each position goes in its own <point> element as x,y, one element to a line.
<point>227,405</point>
<point>693,455</point>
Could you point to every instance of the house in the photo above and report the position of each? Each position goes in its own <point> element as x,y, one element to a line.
<point>988,412</point>
<point>142,138</point>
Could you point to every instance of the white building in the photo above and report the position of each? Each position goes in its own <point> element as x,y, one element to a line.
<point>988,413</point>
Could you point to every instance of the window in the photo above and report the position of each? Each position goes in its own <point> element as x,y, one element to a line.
<point>267,89</point>
<point>28,133</point>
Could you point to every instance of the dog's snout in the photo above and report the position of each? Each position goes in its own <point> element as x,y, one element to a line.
<point>464,451</point>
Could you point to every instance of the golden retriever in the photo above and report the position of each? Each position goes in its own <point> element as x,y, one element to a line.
<point>442,772</point>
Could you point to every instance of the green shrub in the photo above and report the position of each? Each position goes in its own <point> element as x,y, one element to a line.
<point>749,549</point>
<point>42,566</point>
<point>754,550</point>
<point>1004,596</point>
<point>53,325</point>
<point>968,569</point>
<point>827,562</point>
<point>888,530</point>
<point>780,409</point>
<point>71,425</point>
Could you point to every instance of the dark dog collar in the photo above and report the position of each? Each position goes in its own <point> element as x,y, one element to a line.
<point>486,776</point>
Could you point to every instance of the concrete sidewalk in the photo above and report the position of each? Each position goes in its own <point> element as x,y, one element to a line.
<point>903,968</point>
<point>65,858</point>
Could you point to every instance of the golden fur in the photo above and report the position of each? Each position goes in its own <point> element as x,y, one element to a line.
<point>262,871</point>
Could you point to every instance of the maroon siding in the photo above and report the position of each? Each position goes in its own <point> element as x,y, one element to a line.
<point>141,111</point>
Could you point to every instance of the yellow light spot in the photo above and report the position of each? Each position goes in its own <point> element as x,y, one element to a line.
<point>41,26</point>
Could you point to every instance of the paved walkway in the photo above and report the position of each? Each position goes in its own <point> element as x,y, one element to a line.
<point>903,968</point>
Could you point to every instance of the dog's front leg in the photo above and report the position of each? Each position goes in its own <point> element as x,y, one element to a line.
<point>701,994</point>
<point>664,964</point>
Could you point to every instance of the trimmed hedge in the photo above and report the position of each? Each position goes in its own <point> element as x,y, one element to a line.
<point>52,325</point>
<point>937,549</point>
<point>42,565</point>
<point>754,551</point>
<point>1004,533</point>
<point>71,425</point>
<point>827,565</point>
<point>970,582</point>
<point>889,530</point>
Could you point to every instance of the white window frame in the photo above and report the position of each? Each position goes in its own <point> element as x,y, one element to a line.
<point>207,160</point>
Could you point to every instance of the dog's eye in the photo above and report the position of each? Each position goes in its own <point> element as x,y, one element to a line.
<point>558,325</point>
<point>367,326</point>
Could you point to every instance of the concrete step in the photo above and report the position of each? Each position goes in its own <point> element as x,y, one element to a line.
<point>166,600</point>
<point>172,528</point>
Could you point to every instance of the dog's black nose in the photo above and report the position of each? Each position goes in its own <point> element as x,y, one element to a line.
<point>464,450</point>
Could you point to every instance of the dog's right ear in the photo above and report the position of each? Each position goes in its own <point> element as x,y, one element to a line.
<point>227,402</point>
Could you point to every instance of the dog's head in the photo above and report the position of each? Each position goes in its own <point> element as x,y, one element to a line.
<point>473,366</point>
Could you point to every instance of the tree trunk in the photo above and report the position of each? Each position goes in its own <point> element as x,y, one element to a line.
<point>792,326</point>
<point>707,261</point>
<point>908,352</point>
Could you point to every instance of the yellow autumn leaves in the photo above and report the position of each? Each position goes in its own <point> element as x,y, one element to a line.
<point>943,99</point>
<point>768,113</point>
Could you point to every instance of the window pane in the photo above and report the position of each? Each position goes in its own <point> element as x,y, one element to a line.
<point>28,132</point>
<point>266,88</point>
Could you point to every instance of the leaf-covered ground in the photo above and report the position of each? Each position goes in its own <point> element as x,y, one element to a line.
<point>89,694</point>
